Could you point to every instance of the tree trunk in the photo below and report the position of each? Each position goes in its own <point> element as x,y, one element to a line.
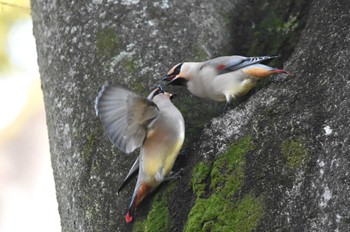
<point>82,45</point>
<point>286,168</point>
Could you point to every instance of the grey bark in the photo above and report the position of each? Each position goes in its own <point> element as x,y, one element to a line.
<point>83,44</point>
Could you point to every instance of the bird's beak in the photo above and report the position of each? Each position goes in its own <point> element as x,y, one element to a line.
<point>170,79</point>
<point>167,77</point>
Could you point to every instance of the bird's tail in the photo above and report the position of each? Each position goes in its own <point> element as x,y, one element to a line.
<point>282,71</point>
<point>141,191</point>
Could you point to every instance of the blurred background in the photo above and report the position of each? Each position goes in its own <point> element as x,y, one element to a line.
<point>27,192</point>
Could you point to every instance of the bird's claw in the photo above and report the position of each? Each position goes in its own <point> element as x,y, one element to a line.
<point>176,175</point>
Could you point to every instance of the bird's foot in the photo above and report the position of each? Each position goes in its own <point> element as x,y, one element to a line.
<point>225,108</point>
<point>174,175</point>
<point>182,152</point>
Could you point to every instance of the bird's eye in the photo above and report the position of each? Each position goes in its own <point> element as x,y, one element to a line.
<point>177,69</point>
<point>159,90</point>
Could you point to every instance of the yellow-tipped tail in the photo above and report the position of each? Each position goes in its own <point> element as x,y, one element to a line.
<point>261,72</point>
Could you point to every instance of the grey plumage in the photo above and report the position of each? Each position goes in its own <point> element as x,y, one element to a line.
<point>222,78</point>
<point>152,124</point>
<point>125,116</point>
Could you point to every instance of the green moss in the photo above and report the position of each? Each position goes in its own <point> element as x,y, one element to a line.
<point>138,87</point>
<point>219,212</point>
<point>274,28</point>
<point>245,215</point>
<point>227,17</point>
<point>275,24</point>
<point>129,64</point>
<point>295,152</point>
<point>138,226</point>
<point>158,218</point>
<point>275,35</point>
<point>88,146</point>
<point>106,42</point>
<point>204,212</point>
<point>267,27</point>
<point>89,214</point>
<point>171,186</point>
<point>227,173</point>
<point>288,26</point>
<point>199,173</point>
<point>200,54</point>
<point>76,132</point>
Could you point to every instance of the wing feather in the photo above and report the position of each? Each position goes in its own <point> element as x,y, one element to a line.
<point>125,116</point>
<point>130,175</point>
<point>238,62</point>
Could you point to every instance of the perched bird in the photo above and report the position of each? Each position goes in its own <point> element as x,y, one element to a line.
<point>223,78</point>
<point>152,124</point>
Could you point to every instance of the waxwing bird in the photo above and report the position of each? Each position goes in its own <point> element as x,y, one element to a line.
<point>152,124</point>
<point>223,78</point>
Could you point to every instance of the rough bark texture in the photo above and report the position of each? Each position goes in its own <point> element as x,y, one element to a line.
<point>294,171</point>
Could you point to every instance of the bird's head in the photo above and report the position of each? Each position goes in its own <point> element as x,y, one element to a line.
<point>177,75</point>
<point>159,90</point>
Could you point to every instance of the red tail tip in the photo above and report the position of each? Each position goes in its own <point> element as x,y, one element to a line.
<point>128,218</point>
<point>283,71</point>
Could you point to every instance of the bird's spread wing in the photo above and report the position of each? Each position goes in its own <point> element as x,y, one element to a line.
<point>237,62</point>
<point>125,116</point>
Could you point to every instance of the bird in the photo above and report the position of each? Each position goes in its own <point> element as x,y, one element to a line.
<point>222,78</point>
<point>152,124</point>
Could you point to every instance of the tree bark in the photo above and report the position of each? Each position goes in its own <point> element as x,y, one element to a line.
<point>296,169</point>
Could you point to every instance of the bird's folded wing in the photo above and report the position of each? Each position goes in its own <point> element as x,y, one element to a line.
<point>131,173</point>
<point>238,62</point>
<point>125,116</point>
